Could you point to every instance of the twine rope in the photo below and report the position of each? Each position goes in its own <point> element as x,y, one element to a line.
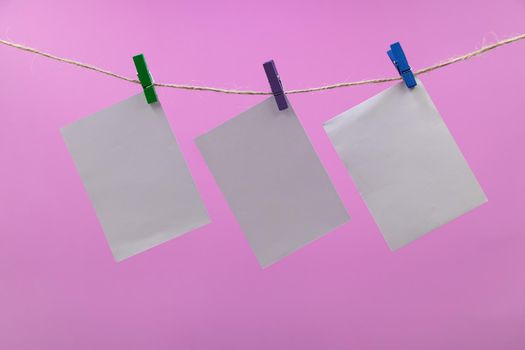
<point>251,92</point>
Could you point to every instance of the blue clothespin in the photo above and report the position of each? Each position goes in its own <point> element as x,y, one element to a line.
<point>275,84</point>
<point>398,58</point>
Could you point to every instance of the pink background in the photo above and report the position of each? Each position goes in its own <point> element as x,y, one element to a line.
<point>461,287</point>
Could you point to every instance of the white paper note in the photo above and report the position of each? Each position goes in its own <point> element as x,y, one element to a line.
<point>405,163</point>
<point>273,180</point>
<point>135,176</point>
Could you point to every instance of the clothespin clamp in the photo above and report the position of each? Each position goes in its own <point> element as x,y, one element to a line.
<point>398,58</point>
<point>145,78</point>
<point>275,84</point>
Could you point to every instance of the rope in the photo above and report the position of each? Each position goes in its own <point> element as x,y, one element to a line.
<point>251,92</point>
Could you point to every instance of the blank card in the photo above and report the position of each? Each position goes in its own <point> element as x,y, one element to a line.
<point>405,163</point>
<point>135,176</point>
<point>273,180</point>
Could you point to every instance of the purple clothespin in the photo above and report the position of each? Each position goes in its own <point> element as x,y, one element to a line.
<point>275,84</point>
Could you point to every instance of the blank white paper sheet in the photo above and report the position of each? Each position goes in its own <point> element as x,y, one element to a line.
<point>272,180</point>
<point>405,163</point>
<point>135,176</point>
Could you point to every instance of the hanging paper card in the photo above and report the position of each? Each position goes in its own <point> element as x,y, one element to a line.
<point>273,180</point>
<point>405,163</point>
<point>135,176</point>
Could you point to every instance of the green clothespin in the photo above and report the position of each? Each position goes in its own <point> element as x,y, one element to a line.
<point>145,78</point>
